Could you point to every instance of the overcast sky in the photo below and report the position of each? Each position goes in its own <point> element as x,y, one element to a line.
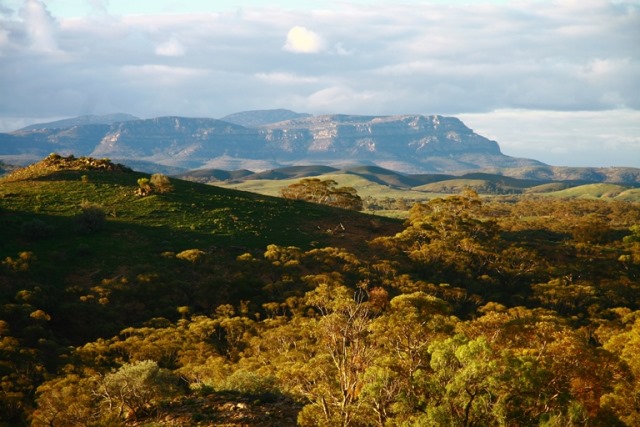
<point>557,81</point>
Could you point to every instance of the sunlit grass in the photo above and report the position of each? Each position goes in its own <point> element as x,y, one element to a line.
<point>138,228</point>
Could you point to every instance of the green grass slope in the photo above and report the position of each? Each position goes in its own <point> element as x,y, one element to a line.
<point>292,172</point>
<point>363,185</point>
<point>146,245</point>
<point>384,176</point>
<point>218,175</point>
<point>547,188</point>
<point>629,195</point>
<point>380,183</point>
<point>593,191</point>
<point>191,216</point>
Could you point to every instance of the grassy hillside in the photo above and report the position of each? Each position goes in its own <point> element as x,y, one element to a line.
<point>42,212</point>
<point>629,195</point>
<point>364,186</point>
<point>192,213</point>
<point>591,191</point>
<point>379,183</point>
<point>616,175</point>
<point>481,186</point>
<point>547,188</point>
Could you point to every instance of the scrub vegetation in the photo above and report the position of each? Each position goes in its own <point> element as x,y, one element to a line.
<point>192,304</point>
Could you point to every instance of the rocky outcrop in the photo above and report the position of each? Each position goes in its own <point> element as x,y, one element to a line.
<point>55,162</point>
<point>409,143</point>
<point>371,136</point>
<point>173,140</point>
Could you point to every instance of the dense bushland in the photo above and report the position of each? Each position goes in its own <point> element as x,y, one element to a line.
<point>473,312</point>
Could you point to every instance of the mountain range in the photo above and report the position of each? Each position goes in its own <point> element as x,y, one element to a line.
<point>270,139</point>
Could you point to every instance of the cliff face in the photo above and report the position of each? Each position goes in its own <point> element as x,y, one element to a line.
<point>410,143</point>
<point>369,137</point>
<point>176,139</point>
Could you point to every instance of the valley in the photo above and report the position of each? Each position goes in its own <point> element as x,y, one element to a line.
<point>376,185</point>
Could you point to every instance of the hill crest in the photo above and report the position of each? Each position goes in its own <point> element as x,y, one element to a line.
<point>55,163</point>
<point>106,119</point>
<point>256,118</point>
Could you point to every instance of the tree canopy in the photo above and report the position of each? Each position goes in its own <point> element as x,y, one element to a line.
<point>474,313</point>
<point>324,192</point>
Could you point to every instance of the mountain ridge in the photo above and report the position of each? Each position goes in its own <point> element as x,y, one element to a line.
<point>89,119</point>
<point>256,118</point>
<point>408,143</point>
<point>268,140</point>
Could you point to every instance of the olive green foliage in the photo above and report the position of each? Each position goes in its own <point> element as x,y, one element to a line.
<point>248,382</point>
<point>66,401</point>
<point>160,183</point>
<point>91,218</point>
<point>144,187</point>
<point>191,255</point>
<point>324,192</point>
<point>473,312</point>
<point>132,391</point>
<point>135,389</point>
<point>635,234</point>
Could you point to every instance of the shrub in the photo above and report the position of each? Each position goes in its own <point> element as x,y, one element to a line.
<point>251,383</point>
<point>144,187</point>
<point>92,218</point>
<point>137,387</point>
<point>634,236</point>
<point>161,183</point>
<point>191,255</point>
<point>21,263</point>
<point>66,401</point>
<point>157,184</point>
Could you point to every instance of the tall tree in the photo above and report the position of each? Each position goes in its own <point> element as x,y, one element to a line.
<point>323,192</point>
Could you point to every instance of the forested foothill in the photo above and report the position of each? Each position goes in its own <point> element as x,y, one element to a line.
<point>129,299</point>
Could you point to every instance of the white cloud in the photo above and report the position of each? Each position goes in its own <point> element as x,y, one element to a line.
<point>380,58</point>
<point>171,47</point>
<point>40,26</point>
<point>161,74</point>
<point>285,78</point>
<point>303,40</point>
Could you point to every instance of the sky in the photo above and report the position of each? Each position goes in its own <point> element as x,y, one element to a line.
<point>553,80</point>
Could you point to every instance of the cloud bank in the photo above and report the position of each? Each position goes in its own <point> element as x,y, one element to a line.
<point>480,59</point>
